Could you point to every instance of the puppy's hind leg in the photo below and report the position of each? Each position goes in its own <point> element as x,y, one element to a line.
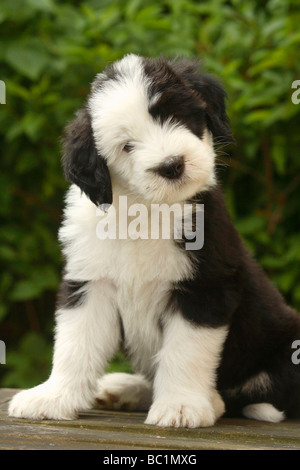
<point>258,398</point>
<point>263,412</point>
<point>120,391</point>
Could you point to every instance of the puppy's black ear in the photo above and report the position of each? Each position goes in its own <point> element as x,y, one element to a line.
<point>214,97</point>
<point>81,162</point>
<point>208,89</point>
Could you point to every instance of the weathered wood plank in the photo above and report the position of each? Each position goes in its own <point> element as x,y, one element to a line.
<point>6,394</point>
<point>110,430</point>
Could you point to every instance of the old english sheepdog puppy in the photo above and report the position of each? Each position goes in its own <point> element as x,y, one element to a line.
<point>205,330</point>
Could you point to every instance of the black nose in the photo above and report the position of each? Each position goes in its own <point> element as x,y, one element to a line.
<point>172,168</point>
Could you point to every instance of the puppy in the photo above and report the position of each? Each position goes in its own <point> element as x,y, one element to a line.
<point>204,328</point>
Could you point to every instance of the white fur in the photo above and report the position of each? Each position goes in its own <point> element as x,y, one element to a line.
<point>263,412</point>
<point>123,261</point>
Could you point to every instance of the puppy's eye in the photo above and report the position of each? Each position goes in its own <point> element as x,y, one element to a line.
<point>128,147</point>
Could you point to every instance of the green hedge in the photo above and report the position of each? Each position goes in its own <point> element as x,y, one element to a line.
<point>50,51</point>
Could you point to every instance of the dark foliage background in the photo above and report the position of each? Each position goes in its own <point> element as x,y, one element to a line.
<point>50,51</point>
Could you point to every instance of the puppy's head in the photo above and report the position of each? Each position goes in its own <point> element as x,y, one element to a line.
<point>148,128</point>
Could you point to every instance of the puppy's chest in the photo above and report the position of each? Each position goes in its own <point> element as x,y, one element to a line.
<point>127,261</point>
<point>123,261</point>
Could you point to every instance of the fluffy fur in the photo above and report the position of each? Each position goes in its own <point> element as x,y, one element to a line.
<point>205,330</point>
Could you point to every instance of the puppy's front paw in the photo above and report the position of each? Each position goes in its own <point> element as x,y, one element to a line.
<point>181,413</point>
<point>42,402</point>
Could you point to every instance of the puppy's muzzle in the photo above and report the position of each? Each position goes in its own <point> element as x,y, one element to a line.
<point>172,168</point>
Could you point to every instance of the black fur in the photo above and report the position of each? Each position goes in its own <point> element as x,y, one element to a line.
<point>194,99</point>
<point>71,294</point>
<point>81,162</point>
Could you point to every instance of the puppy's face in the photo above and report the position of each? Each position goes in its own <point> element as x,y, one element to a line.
<point>152,124</point>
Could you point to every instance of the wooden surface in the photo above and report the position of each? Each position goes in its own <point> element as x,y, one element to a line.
<point>111,430</point>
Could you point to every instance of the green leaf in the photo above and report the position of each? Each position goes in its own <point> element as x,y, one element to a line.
<point>25,290</point>
<point>29,60</point>
<point>250,225</point>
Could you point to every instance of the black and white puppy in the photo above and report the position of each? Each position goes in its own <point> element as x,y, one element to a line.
<point>205,329</point>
